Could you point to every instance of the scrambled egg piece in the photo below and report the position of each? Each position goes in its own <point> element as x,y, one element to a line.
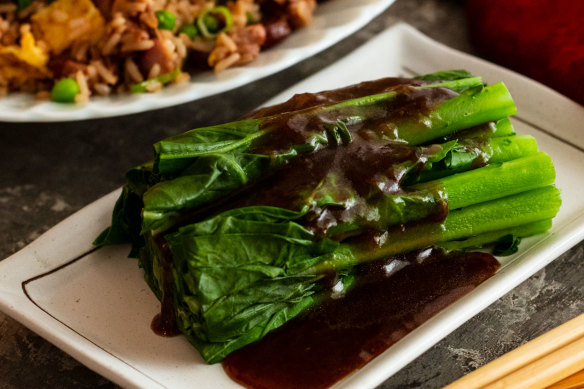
<point>65,22</point>
<point>25,61</point>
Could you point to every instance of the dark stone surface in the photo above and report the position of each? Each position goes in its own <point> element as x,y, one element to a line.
<point>50,171</point>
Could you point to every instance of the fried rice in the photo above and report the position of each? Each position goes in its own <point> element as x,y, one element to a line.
<point>115,46</point>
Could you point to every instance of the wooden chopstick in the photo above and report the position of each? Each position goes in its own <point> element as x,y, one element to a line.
<point>575,381</point>
<point>539,363</point>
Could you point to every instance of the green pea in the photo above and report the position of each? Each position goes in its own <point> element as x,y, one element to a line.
<point>65,90</point>
<point>166,19</point>
<point>189,29</point>
<point>211,23</point>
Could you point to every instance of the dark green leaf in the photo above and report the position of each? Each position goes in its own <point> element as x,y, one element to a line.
<point>447,75</point>
<point>507,245</point>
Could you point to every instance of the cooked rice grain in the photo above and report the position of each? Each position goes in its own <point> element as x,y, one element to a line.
<point>111,43</point>
<point>224,40</point>
<point>43,95</point>
<point>137,46</point>
<point>79,51</point>
<point>133,71</point>
<point>154,71</point>
<point>105,73</point>
<point>154,86</point>
<point>225,63</point>
<point>183,77</point>
<point>102,89</point>
<point>84,92</point>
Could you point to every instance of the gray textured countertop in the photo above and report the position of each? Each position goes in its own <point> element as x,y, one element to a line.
<point>50,171</point>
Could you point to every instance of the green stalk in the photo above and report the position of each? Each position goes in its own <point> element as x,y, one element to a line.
<point>455,85</point>
<point>507,148</point>
<point>471,152</point>
<point>481,240</point>
<point>186,184</point>
<point>501,127</point>
<point>469,109</point>
<point>507,212</point>
<point>494,181</point>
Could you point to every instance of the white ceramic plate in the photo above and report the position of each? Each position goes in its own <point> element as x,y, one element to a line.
<point>333,21</point>
<point>96,306</point>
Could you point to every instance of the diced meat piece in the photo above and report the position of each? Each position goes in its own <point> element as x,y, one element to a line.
<point>249,41</point>
<point>63,67</point>
<point>300,12</point>
<point>104,6</point>
<point>277,29</point>
<point>158,54</point>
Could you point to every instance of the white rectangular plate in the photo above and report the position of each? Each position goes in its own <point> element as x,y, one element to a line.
<point>96,306</point>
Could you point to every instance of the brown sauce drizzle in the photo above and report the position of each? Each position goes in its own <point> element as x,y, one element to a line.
<point>307,100</point>
<point>357,174</point>
<point>369,165</point>
<point>295,127</point>
<point>392,298</point>
<point>164,323</point>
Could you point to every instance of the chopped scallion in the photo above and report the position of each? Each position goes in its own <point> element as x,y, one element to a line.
<point>214,21</point>
<point>164,79</point>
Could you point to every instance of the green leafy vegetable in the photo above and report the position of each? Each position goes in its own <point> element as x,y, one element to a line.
<point>238,225</point>
<point>507,245</point>
<point>177,153</point>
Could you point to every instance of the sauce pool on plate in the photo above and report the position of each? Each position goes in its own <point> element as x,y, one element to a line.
<point>391,298</point>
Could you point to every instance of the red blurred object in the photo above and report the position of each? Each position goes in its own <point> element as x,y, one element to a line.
<point>542,39</point>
